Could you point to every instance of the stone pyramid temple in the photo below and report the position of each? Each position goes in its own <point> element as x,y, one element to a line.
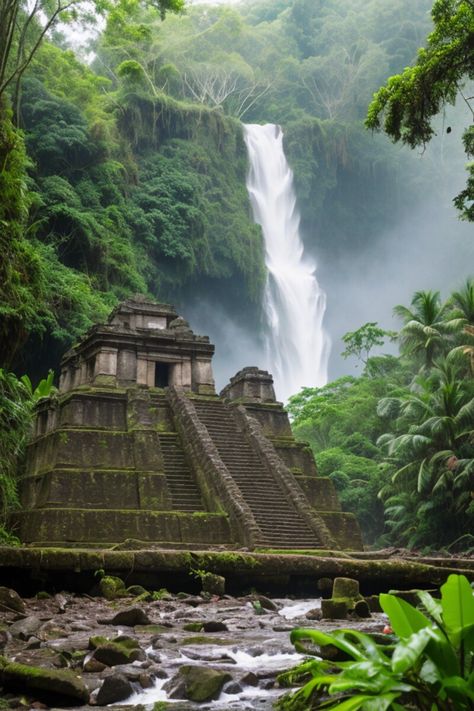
<point>137,444</point>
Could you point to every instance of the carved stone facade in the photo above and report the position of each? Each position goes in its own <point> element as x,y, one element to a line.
<point>137,444</point>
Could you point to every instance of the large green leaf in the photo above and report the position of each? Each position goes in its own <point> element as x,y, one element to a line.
<point>320,638</point>
<point>457,601</point>
<point>404,618</point>
<point>408,650</point>
<point>432,606</point>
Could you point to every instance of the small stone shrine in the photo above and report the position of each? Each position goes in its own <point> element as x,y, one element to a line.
<point>137,444</point>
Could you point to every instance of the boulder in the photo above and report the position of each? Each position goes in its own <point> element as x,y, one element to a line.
<point>196,683</point>
<point>114,688</point>
<point>249,679</point>
<point>24,629</point>
<point>121,650</point>
<point>214,626</point>
<point>10,601</point>
<point>49,685</point>
<point>129,618</point>
<point>112,587</point>
<point>267,604</point>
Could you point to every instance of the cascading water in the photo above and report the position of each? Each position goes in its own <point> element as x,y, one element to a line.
<point>297,348</point>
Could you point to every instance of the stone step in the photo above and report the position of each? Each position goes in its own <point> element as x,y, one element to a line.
<point>278,520</point>
<point>185,494</point>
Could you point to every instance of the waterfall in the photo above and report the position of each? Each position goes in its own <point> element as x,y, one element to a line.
<point>297,348</point>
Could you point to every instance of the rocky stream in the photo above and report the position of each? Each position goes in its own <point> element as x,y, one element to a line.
<point>191,651</point>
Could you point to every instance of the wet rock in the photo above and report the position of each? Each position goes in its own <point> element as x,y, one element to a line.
<point>62,602</point>
<point>121,650</point>
<point>146,680</point>
<point>332,653</point>
<point>214,626</point>
<point>196,683</point>
<point>112,587</point>
<point>249,679</point>
<point>49,685</point>
<point>266,603</point>
<point>213,584</point>
<point>315,614</point>
<point>192,600</point>
<point>26,628</point>
<point>114,688</point>
<point>283,628</point>
<point>232,688</point>
<point>93,666</point>
<point>129,618</point>
<point>10,601</point>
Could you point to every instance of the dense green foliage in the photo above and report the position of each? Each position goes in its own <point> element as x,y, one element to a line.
<point>402,433</point>
<point>406,105</point>
<point>17,397</point>
<point>136,166</point>
<point>430,667</point>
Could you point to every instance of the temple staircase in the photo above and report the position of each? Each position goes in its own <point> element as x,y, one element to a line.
<point>279,521</point>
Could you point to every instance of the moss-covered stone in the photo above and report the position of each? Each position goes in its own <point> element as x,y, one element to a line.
<point>197,683</point>
<point>49,685</point>
<point>112,587</point>
<point>121,650</point>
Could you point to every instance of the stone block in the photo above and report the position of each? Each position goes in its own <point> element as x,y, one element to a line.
<point>344,528</point>
<point>297,456</point>
<point>88,526</point>
<point>93,449</point>
<point>93,410</point>
<point>273,419</point>
<point>320,493</point>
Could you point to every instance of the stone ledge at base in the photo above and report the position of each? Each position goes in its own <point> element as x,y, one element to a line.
<point>288,572</point>
<point>203,528</point>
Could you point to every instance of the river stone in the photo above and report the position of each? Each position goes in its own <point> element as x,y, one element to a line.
<point>48,685</point>
<point>232,688</point>
<point>121,650</point>
<point>129,618</point>
<point>249,679</point>
<point>115,688</point>
<point>24,629</point>
<point>196,683</point>
<point>266,603</point>
<point>314,614</point>
<point>11,601</point>
<point>112,587</point>
<point>214,626</point>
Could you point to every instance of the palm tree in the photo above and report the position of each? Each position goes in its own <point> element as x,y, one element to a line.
<point>427,326</point>
<point>433,449</point>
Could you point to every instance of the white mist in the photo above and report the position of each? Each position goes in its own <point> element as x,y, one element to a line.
<point>297,348</point>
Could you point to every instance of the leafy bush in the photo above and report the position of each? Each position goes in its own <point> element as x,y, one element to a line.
<point>430,667</point>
